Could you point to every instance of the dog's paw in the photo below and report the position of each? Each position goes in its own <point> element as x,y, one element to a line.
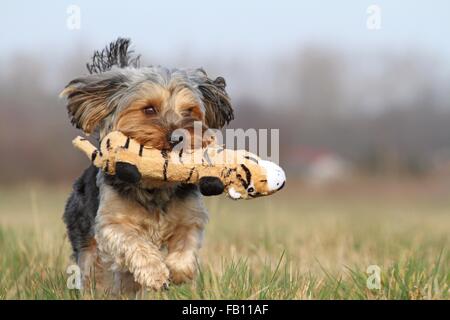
<point>153,276</point>
<point>182,268</point>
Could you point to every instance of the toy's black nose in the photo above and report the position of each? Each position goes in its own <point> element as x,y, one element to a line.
<point>282,186</point>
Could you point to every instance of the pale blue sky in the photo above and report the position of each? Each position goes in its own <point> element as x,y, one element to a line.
<point>222,28</point>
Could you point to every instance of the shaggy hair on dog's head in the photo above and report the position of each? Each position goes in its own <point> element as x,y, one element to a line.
<point>117,227</point>
<point>145,103</point>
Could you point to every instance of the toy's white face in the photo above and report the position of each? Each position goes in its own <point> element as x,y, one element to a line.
<point>276,178</point>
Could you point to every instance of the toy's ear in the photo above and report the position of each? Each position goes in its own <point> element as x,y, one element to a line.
<point>211,186</point>
<point>218,109</point>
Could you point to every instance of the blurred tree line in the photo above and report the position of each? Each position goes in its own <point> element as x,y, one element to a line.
<point>382,111</point>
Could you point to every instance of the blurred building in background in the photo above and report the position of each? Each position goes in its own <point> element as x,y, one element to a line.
<point>317,166</point>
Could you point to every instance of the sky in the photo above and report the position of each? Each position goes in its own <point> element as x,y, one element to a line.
<point>245,41</point>
<point>225,28</point>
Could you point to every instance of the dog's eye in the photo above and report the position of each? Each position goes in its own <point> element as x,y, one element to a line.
<point>150,110</point>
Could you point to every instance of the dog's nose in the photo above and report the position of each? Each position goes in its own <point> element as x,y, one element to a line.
<point>175,138</point>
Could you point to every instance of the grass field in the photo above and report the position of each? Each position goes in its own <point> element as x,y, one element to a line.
<point>303,243</point>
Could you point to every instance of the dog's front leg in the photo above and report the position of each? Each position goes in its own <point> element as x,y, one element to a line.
<point>129,251</point>
<point>189,218</point>
<point>124,240</point>
<point>182,253</point>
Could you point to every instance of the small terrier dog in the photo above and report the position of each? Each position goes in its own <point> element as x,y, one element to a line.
<point>132,236</point>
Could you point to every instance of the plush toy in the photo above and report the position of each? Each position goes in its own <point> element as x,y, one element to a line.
<point>240,173</point>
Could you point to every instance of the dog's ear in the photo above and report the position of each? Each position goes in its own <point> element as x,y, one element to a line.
<point>90,99</point>
<point>218,109</point>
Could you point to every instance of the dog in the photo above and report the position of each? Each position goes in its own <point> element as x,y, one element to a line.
<point>130,236</point>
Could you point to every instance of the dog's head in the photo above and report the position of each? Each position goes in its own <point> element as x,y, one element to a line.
<point>145,103</point>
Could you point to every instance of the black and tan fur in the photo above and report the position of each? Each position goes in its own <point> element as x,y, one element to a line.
<point>118,229</point>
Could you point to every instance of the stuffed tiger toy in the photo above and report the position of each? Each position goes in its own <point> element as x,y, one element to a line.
<point>241,174</point>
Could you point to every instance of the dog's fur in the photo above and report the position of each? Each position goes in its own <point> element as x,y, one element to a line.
<point>118,230</point>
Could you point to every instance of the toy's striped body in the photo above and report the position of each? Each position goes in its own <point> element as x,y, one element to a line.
<point>244,175</point>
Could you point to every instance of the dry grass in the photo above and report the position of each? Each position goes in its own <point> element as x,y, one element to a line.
<point>302,243</point>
